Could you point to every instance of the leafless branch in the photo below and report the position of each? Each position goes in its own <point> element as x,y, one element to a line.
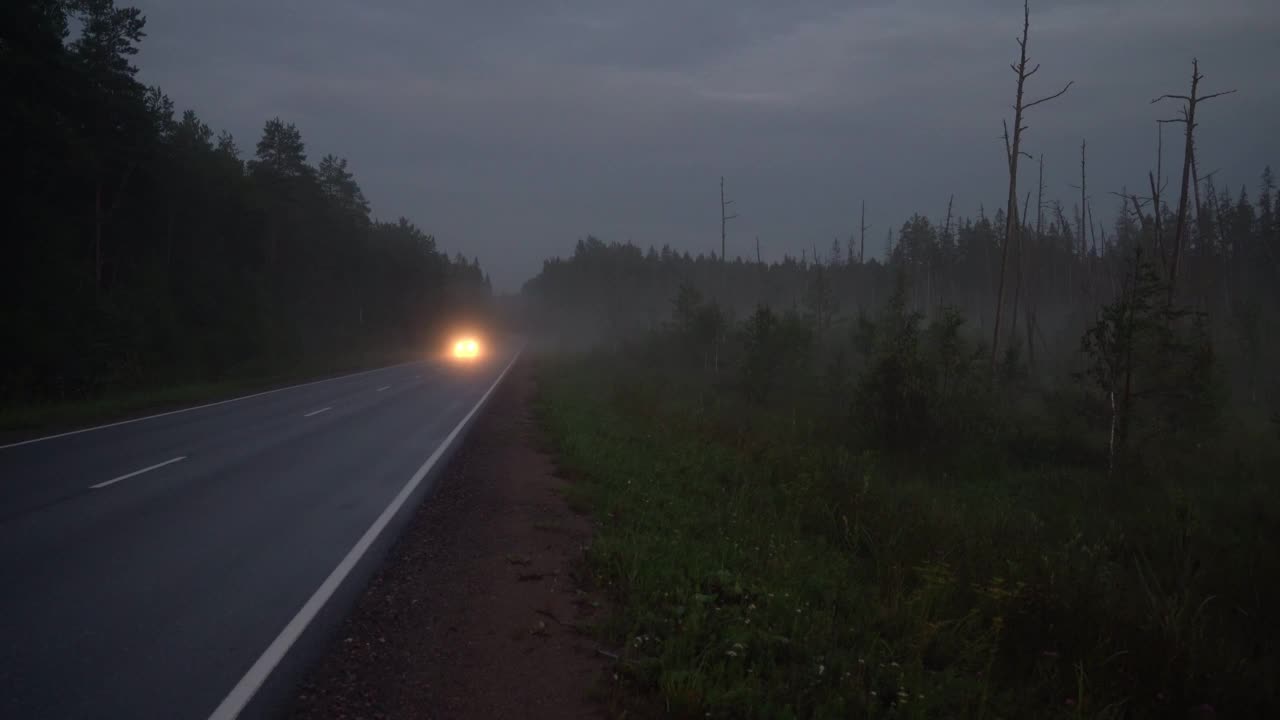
<point>1058,94</point>
<point>1204,178</point>
<point>1217,94</point>
<point>1126,196</point>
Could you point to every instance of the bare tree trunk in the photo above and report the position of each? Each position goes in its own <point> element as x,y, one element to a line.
<point>1031,345</point>
<point>1195,185</point>
<point>724,218</point>
<point>1039,237</point>
<point>862,242</point>
<point>1137,210</point>
<point>1017,273</point>
<point>1066,228</point>
<point>1084,204</point>
<point>946,233</point>
<point>1224,249</point>
<point>1093,233</point>
<point>1013,150</point>
<point>1157,185</point>
<point>1127,398</point>
<point>1188,155</point>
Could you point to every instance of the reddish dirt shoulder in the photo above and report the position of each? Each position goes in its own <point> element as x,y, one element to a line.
<point>476,612</point>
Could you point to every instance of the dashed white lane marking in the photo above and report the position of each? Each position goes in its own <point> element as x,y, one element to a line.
<point>126,476</point>
<point>243,692</point>
<point>317,412</point>
<point>201,407</point>
<point>384,387</point>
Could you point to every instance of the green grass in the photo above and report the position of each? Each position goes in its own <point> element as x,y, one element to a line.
<point>767,574</point>
<point>21,421</point>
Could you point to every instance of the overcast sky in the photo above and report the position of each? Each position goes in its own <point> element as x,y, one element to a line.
<point>511,128</point>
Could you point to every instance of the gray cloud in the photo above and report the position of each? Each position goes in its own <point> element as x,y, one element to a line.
<point>509,129</point>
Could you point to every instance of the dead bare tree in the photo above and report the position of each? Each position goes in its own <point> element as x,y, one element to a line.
<point>1017,270</point>
<point>1084,203</point>
<point>1013,150</point>
<point>724,218</point>
<point>1224,240</point>
<point>1026,204</point>
<point>1040,200</point>
<point>1066,230</point>
<point>1189,103</point>
<point>1026,264</point>
<point>1195,186</point>
<point>946,235</point>
<point>1157,186</point>
<point>862,242</point>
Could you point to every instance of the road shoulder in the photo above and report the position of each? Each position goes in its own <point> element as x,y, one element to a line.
<point>478,611</point>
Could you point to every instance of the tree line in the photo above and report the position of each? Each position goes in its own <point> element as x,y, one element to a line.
<point>1065,273</point>
<point>145,249</point>
<point>1034,280</point>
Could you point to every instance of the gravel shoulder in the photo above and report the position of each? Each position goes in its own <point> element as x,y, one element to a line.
<point>478,611</point>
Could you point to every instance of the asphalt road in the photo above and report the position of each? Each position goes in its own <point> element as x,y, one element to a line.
<point>165,567</point>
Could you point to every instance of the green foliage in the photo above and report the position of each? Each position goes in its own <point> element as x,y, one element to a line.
<point>867,523</point>
<point>699,327</point>
<point>920,389</point>
<point>776,354</point>
<point>145,253</point>
<point>820,302</point>
<point>1152,361</point>
<point>778,573</point>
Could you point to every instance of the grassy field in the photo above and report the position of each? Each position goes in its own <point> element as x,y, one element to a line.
<point>761,567</point>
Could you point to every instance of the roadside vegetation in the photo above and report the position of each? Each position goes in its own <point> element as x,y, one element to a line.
<point>866,522</point>
<point>1019,465</point>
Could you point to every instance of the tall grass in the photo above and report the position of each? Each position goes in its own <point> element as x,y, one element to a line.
<point>787,558</point>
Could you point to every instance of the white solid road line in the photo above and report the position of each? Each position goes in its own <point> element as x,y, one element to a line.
<point>384,387</point>
<point>235,701</point>
<point>113,481</point>
<point>206,405</point>
<point>317,412</point>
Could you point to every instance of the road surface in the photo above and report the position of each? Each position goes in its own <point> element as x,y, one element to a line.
<point>170,566</point>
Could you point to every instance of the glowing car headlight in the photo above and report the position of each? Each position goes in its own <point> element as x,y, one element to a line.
<point>466,348</point>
